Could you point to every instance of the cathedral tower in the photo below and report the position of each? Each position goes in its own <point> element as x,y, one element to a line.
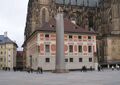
<point>110,31</point>
<point>39,12</point>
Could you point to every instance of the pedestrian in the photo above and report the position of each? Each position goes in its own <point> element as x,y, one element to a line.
<point>91,69</point>
<point>112,68</point>
<point>117,67</point>
<point>38,70</point>
<point>99,68</point>
<point>41,70</point>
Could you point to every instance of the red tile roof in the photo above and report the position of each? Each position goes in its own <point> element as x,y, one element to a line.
<point>69,27</point>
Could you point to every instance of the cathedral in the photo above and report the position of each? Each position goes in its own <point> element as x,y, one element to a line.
<point>97,16</point>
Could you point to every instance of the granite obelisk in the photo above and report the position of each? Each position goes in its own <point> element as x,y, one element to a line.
<point>60,57</point>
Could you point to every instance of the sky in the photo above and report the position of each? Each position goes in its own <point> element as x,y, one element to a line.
<point>13,19</point>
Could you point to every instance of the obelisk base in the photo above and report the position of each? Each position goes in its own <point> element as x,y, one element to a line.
<point>61,71</point>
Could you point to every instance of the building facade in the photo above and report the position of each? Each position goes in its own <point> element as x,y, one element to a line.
<point>41,11</point>
<point>109,31</point>
<point>79,47</point>
<point>101,16</point>
<point>8,50</point>
<point>20,60</point>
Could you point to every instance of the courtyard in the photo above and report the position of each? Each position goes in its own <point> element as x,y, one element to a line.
<point>107,77</point>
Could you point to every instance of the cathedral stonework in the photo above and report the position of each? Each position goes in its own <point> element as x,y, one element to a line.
<point>101,16</point>
<point>41,11</point>
<point>109,30</point>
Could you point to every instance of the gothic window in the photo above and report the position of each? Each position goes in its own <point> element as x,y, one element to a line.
<point>115,10</point>
<point>90,21</point>
<point>43,16</point>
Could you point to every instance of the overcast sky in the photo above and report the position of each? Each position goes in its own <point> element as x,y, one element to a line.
<point>13,18</point>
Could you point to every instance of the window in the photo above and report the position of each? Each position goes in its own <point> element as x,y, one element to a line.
<point>71,59</point>
<point>71,48</point>
<point>66,60</point>
<point>1,59</point>
<point>80,59</point>
<point>1,52</point>
<point>89,49</point>
<point>46,35</point>
<point>89,37</point>
<point>47,48</point>
<point>70,36</point>
<point>43,16</point>
<point>80,48</point>
<point>90,59</point>
<point>79,37</point>
<point>47,60</point>
<point>0,65</point>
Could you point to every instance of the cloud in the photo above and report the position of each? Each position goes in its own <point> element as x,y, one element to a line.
<point>13,18</point>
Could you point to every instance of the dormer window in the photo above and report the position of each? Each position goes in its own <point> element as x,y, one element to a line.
<point>46,35</point>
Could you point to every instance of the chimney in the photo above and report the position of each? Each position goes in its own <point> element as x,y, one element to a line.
<point>73,21</point>
<point>5,34</point>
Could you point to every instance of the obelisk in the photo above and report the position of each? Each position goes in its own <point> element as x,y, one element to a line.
<point>60,57</point>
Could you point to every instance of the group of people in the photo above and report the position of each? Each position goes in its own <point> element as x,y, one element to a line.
<point>39,70</point>
<point>99,68</point>
<point>6,68</point>
<point>117,67</point>
<point>85,69</point>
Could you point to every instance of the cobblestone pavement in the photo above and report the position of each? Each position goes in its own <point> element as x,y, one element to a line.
<point>72,78</point>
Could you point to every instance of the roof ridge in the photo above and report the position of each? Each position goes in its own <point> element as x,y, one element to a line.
<point>68,26</point>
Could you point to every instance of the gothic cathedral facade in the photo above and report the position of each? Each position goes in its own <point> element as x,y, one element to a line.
<point>103,17</point>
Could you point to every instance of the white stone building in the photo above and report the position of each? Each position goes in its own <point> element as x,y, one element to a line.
<point>8,50</point>
<point>80,46</point>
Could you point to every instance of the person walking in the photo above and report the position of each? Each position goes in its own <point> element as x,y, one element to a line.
<point>112,68</point>
<point>99,68</point>
<point>41,70</point>
<point>118,67</point>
